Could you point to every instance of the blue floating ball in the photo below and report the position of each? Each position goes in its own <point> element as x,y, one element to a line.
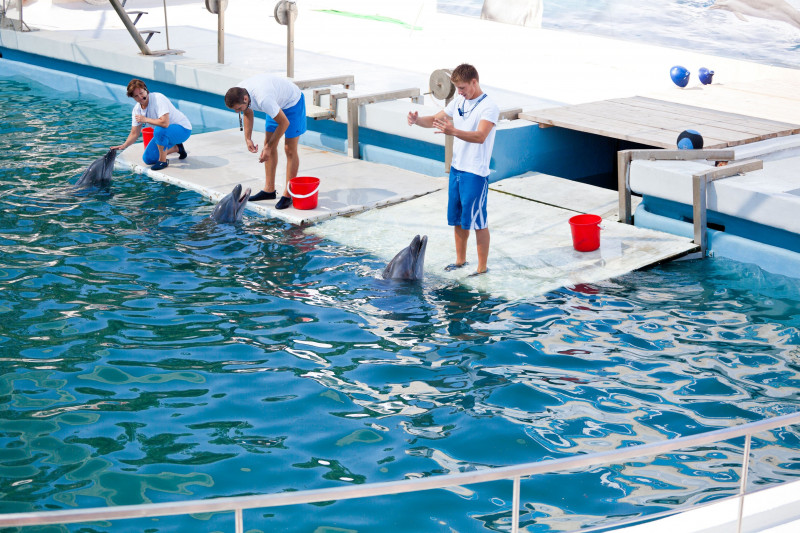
<point>705,75</point>
<point>679,75</point>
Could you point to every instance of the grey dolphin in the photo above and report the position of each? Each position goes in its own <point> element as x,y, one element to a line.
<point>231,208</point>
<point>99,172</point>
<point>409,262</point>
<point>779,10</point>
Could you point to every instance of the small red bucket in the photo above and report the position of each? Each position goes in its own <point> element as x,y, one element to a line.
<point>147,136</point>
<point>303,191</point>
<point>585,232</point>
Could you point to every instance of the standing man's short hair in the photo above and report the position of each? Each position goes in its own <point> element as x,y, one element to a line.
<point>464,73</point>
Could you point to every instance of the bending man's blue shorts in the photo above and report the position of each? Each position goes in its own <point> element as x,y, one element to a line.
<point>297,119</point>
<point>166,137</point>
<point>466,200</point>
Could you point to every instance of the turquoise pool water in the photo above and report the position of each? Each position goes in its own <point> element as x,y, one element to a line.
<point>150,356</point>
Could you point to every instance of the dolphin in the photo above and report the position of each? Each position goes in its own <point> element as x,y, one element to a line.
<point>409,261</point>
<point>99,172</point>
<point>231,208</point>
<point>779,10</point>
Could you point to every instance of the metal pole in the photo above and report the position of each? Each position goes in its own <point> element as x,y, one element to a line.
<point>131,28</point>
<point>220,34</point>
<point>515,509</point>
<point>166,27</point>
<point>743,487</point>
<point>291,11</point>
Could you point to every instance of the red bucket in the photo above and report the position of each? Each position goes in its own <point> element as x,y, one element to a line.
<point>147,136</point>
<point>585,232</point>
<point>303,191</point>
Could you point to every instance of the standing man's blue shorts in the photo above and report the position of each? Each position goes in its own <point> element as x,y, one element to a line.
<point>466,201</point>
<point>297,119</point>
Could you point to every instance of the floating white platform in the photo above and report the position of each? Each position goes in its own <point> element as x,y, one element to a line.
<point>219,160</point>
<point>531,249</point>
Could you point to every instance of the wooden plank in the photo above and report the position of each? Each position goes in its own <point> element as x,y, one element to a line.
<point>670,122</point>
<point>720,119</point>
<point>605,128</point>
<point>655,122</point>
<point>713,114</point>
<point>643,133</point>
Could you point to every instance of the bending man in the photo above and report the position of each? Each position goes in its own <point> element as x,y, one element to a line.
<point>285,108</point>
<point>171,128</point>
<point>474,117</point>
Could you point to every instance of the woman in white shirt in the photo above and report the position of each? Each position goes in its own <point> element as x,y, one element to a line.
<point>171,128</point>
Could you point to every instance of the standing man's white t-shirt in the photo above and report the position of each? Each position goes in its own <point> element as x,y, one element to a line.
<point>467,156</point>
<point>269,94</point>
<point>159,105</point>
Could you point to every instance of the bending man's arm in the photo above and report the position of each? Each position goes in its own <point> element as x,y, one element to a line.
<point>248,130</point>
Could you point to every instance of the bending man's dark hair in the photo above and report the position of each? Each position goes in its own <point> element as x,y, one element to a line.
<point>234,96</point>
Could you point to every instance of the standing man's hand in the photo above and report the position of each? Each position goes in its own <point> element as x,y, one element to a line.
<point>251,146</point>
<point>443,125</point>
<point>412,117</point>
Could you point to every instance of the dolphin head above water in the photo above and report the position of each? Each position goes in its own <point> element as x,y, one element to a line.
<point>409,262</point>
<point>231,208</point>
<point>99,172</point>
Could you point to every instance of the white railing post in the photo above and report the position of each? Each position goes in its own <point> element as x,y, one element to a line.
<point>515,507</point>
<point>743,486</point>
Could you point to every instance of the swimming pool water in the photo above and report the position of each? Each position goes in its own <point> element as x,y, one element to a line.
<point>148,355</point>
<point>681,24</point>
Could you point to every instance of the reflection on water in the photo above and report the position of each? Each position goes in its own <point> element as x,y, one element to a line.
<point>149,357</point>
<point>769,33</point>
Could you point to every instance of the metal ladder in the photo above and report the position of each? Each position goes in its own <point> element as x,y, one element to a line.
<point>141,42</point>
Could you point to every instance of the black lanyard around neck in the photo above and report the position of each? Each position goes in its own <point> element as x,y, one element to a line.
<point>249,101</point>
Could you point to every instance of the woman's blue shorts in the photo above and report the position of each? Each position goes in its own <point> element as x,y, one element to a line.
<point>166,137</point>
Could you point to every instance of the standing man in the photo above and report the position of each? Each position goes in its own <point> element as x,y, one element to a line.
<point>285,107</point>
<point>474,117</point>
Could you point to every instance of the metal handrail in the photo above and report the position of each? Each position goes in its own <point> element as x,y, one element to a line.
<point>699,181</point>
<point>353,112</point>
<point>237,504</point>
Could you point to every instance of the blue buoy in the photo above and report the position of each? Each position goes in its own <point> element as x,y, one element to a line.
<point>680,75</point>
<point>705,75</point>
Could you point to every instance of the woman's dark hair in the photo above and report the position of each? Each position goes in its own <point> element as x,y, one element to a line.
<point>136,84</point>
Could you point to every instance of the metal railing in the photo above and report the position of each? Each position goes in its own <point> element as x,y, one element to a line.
<point>513,473</point>
<point>137,35</point>
<point>700,180</point>
<point>354,113</point>
<point>6,21</point>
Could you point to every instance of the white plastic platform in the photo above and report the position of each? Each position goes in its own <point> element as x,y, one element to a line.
<point>218,161</point>
<point>531,249</point>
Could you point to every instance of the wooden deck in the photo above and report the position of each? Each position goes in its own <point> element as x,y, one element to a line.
<point>657,123</point>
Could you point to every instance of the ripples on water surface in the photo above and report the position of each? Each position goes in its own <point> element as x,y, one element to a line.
<point>682,24</point>
<point>148,356</point>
